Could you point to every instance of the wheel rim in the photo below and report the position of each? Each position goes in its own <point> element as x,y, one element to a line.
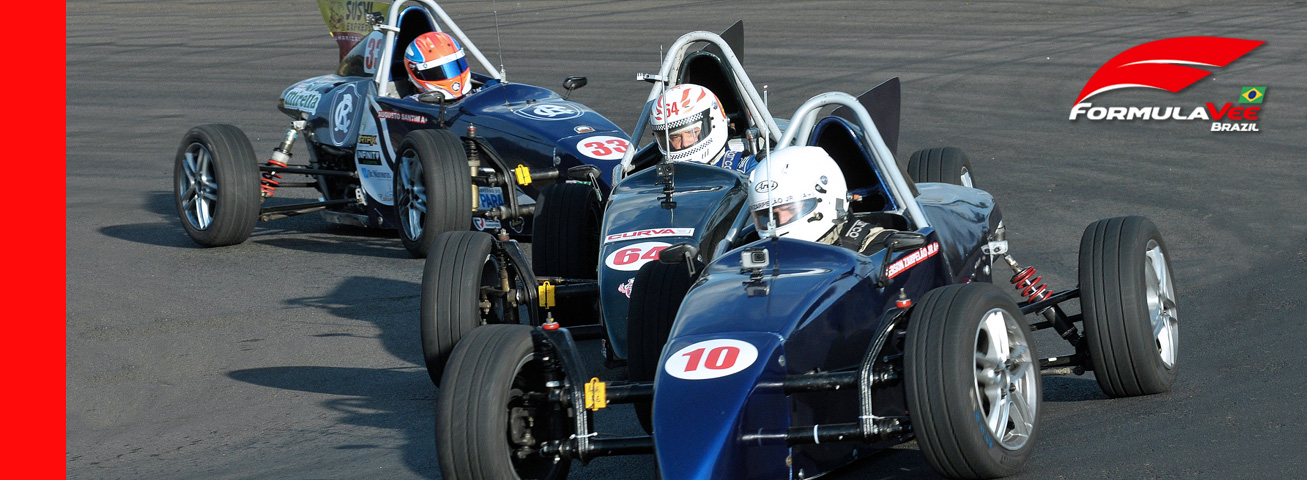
<point>1005,379</point>
<point>1161,304</point>
<point>198,186</point>
<point>527,428</point>
<point>411,196</point>
<point>966,177</point>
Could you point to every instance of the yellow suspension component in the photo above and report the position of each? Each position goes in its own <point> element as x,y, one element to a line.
<point>546,291</point>
<point>596,394</point>
<point>523,175</point>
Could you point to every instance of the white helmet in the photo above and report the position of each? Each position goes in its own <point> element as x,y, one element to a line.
<point>689,125</point>
<point>805,189</point>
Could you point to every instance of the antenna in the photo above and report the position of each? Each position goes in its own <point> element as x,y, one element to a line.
<point>766,145</point>
<point>667,132</point>
<point>499,45</point>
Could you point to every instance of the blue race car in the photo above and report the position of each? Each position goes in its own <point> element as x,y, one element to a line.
<point>384,155</point>
<point>787,358</point>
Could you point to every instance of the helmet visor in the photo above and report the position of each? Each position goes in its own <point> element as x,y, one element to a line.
<point>443,68</point>
<point>784,214</point>
<point>684,134</point>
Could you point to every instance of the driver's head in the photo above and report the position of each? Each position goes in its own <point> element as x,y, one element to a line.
<point>689,125</point>
<point>802,186</point>
<point>435,63</point>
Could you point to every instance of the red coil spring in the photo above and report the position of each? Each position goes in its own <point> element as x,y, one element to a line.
<point>1029,285</point>
<point>268,185</point>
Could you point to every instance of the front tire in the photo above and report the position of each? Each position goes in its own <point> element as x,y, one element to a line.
<point>565,232</point>
<point>1128,302</point>
<point>973,384</point>
<point>656,295</point>
<point>942,165</point>
<point>494,403</point>
<point>433,188</point>
<point>216,185</point>
<point>461,273</point>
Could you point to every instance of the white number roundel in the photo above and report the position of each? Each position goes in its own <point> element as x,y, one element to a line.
<point>711,359</point>
<point>629,258</point>
<point>603,147</point>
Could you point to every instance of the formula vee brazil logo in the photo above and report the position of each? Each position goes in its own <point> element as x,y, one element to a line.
<point>1169,64</point>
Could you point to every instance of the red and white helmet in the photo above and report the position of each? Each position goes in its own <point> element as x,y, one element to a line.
<point>689,125</point>
<point>802,186</point>
<point>435,63</point>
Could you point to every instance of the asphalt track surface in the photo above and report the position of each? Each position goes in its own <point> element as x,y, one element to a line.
<point>296,354</point>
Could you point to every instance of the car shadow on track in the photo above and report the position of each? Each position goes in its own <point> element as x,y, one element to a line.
<point>1071,388</point>
<point>391,399</point>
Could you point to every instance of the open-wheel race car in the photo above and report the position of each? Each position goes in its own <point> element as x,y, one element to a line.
<point>384,153</point>
<point>789,358</point>
<point>592,251</point>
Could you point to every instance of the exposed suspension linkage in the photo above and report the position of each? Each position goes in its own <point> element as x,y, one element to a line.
<point>280,159</point>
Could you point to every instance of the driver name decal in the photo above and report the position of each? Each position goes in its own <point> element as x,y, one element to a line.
<point>631,257</point>
<point>650,233</point>
<point>711,359</point>
<point>406,117</point>
<point>912,259</point>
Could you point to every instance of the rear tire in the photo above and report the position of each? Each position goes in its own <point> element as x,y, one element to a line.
<point>486,409</point>
<point>461,263</point>
<point>656,295</point>
<point>1128,301</point>
<point>433,188</point>
<point>942,165</point>
<point>972,380</point>
<point>216,185</point>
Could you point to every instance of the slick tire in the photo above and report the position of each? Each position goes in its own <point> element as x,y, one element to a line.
<point>494,393</point>
<point>565,232</point>
<point>451,291</point>
<point>1128,302</point>
<point>972,381</point>
<point>656,295</point>
<point>942,165</point>
<point>433,188</point>
<point>216,185</point>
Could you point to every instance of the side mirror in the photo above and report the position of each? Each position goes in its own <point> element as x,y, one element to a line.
<point>900,241</point>
<point>572,83</point>
<point>679,253</point>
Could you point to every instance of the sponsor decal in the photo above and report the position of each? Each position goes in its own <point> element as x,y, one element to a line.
<point>490,197</point>
<point>583,129</point>
<point>482,224</point>
<point>765,186</point>
<point>650,233</point>
<point>631,257</point>
<point>407,117</point>
<point>370,173</point>
<point>711,359</point>
<point>912,259</point>
<point>625,288</point>
<point>456,86</point>
<point>603,147</point>
<point>368,157</point>
<point>1171,64</point>
<point>558,110</point>
<point>302,100</point>
<point>367,139</point>
<point>342,114</point>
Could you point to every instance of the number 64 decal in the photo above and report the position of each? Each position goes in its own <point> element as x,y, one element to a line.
<point>711,359</point>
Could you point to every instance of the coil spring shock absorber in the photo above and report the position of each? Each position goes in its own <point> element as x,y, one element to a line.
<point>280,159</point>
<point>1027,282</point>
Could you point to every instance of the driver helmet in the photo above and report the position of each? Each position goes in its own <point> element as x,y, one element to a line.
<point>689,125</point>
<point>804,188</point>
<point>435,63</point>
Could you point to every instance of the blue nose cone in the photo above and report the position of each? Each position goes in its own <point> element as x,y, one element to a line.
<point>710,393</point>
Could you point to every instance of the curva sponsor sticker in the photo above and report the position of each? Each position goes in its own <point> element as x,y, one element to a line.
<point>711,359</point>
<point>631,257</point>
<point>912,259</point>
<point>650,233</point>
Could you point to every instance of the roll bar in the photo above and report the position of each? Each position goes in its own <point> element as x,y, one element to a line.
<point>391,28</point>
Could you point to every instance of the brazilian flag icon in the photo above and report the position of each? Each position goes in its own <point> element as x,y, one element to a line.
<point>1252,95</point>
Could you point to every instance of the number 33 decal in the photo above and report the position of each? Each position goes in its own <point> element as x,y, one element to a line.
<point>603,147</point>
<point>711,359</point>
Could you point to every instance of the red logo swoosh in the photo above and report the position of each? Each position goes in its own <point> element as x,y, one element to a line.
<point>1163,64</point>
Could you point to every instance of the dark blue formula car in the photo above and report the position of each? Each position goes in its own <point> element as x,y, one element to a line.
<point>382,156</point>
<point>787,359</point>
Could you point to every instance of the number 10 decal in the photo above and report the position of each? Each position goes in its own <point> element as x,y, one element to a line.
<point>711,359</point>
